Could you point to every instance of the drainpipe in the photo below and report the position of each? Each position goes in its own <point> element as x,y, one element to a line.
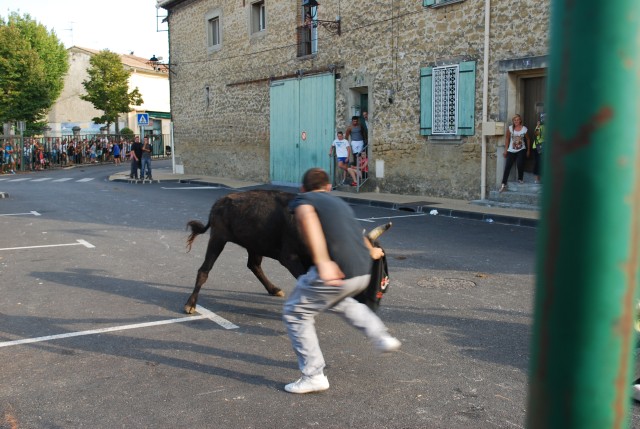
<point>588,246</point>
<point>485,99</point>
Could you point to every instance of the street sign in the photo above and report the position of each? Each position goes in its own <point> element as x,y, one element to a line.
<point>143,119</point>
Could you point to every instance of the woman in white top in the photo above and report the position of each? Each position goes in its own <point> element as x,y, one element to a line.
<point>516,147</point>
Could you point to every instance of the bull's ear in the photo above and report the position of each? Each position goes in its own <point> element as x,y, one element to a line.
<point>376,232</point>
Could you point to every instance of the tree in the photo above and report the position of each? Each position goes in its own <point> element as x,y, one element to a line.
<point>108,88</point>
<point>33,63</point>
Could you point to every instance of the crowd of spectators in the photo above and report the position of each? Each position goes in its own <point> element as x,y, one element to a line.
<point>41,153</point>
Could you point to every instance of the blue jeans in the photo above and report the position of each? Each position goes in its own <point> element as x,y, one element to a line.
<point>146,164</point>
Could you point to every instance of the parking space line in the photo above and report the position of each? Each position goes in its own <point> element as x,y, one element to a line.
<point>215,318</point>
<point>195,188</point>
<point>35,213</point>
<point>371,219</point>
<point>204,314</point>
<point>77,243</point>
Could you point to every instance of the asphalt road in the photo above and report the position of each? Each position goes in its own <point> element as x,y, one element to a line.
<point>94,275</point>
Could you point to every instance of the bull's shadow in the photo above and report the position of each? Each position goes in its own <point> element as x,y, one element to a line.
<point>257,304</point>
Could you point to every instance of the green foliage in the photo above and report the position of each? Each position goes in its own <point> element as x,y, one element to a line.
<point>127,132</point>
<point>108,87</point>
<point>33,63</point>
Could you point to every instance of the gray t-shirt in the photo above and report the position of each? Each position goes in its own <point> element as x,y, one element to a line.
<point>341,230</point>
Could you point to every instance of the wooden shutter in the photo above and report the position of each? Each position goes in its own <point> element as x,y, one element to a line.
<point>426,100</point>
<point>466,98</point>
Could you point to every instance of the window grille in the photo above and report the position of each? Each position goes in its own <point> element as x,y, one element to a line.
<point>445,96</point>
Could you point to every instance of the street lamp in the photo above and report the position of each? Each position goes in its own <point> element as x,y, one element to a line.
<point>159,66</point>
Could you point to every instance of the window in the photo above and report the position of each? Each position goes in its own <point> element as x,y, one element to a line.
<point>258,17</point>
<point>214,30</point>
<point>447,99</point>
<point>307,32</point>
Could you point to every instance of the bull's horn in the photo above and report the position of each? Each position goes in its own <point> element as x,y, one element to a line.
<point>378,231</point>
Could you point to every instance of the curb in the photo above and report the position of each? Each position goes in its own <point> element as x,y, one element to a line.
<point>461,214</point>
<point>411,207</point>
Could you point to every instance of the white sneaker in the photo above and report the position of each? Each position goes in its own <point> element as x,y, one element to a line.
<point>305,384</point>
<point>387,344</point>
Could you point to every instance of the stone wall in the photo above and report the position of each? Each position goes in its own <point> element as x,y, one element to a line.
<point>380,51</point>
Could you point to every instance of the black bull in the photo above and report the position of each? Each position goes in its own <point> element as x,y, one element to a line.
<point>261,222</point>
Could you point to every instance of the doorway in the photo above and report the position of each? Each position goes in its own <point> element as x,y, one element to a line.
<point>534,90</point>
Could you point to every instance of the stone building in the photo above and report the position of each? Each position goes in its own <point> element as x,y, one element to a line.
<point>71,111</point>
<point>257,93</point>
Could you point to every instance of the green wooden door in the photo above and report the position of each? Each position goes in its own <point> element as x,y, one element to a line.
<point>302,125</point>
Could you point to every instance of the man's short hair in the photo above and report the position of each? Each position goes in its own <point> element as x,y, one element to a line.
<point>339,132</point>
<point>314,179</point>
<point>355,117</point>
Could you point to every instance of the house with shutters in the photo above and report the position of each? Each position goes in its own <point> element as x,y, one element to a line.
<point>260,87</point>
<point>70,111</point>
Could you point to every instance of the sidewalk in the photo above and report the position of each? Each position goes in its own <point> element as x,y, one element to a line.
<point>412,203</point>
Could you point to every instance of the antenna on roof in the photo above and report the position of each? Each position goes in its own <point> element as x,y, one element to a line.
<point>70,30</point>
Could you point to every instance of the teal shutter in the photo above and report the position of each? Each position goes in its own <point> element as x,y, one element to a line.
<point>426,100</point>
<point>466,98</point>
<point>428,2</point>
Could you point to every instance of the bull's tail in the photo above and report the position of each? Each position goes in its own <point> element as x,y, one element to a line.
<point>197,228</point>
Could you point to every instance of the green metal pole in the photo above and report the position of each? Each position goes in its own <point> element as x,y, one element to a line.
<point>589,237</point>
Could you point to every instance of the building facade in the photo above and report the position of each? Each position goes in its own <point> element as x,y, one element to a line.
<point>260,87</point>
<point>70,111</point>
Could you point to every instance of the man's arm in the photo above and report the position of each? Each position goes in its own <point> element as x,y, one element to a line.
<point>311,230</point>
<point>374,252</point>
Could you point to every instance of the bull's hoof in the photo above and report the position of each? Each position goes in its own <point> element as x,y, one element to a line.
<point>189,309</point>
<point>279,293</point>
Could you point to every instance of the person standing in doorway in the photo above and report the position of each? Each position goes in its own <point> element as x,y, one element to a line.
<point>145,171</point>
<point>516,147</point>
<point>365,115</point>
<point>538,143</point>
<point>343,154</point>
<point>342,260</point>
<point>358,136</point>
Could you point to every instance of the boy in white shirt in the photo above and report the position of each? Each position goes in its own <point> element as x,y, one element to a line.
<point>343,153</point>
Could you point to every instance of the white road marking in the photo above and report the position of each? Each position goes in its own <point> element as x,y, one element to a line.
<point>42,179</point>
<point>63,179</point>
<point>78,243</point>
<point>22,214</point>
<point>371,219</point>
<point>197,187</point>
<point>204,314</point>
<point>215,318</point>
<point>20,180</point>
<point>86,179</point>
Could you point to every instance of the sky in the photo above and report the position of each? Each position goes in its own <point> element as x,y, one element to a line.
<point>122,26</point>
